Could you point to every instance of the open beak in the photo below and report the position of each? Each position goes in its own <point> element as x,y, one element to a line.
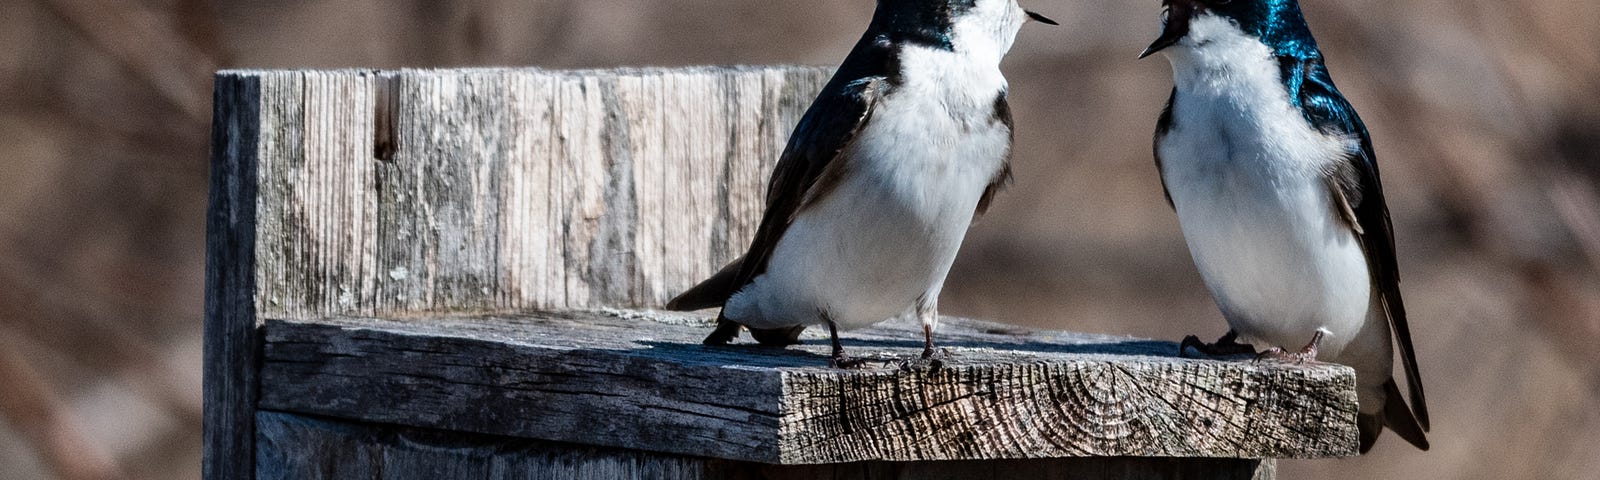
<point>1174,25</point>
<point>1041,18</point>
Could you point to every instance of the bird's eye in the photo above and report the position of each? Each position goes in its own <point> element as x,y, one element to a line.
<point>1166,13</point>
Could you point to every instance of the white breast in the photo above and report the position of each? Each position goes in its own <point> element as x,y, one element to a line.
<point>887,235</point>
<point>1244,169</point>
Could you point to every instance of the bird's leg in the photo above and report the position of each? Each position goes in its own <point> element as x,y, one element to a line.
<point>1226,346</point>
<point>932,356</point>
<point>839,359</point>
<point>1306,354</point>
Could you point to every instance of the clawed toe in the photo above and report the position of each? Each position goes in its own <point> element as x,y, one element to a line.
<point>921,363</point>
<point>1279,355</point>
<point>1305,355</point>
<point>931,358</point>
<point>847,363</point>
<point>1274,354</point>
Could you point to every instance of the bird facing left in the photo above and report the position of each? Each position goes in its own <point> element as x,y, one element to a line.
<point>880,180</point>
<point>1275,184</point>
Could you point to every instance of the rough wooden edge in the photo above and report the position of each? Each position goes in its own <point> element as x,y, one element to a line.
<point>304,448</point>
<point>1076,407</point>
<point>231,337</point>
<point>624,380</point>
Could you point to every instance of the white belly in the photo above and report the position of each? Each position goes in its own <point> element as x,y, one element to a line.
<point>1276,258</point>
<point>883,241</point>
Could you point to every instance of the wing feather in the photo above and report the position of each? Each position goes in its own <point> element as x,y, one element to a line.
<point>1002,178</point>
<point>1359,193</point>
<point>811,166</point>
<point>1164,125</point>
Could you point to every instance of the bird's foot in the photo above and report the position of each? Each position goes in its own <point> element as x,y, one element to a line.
<point>839,360</point>
<point>1226,346</point>
<point>1307,354</point>
<point>1279,355</point>
<point>846,362</point>
<point>932,358</point>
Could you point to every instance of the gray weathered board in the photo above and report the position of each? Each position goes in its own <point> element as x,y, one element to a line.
<point>640,380</point>
<point>385,193</point>
<point>294,447</point>
<point>406,195</point>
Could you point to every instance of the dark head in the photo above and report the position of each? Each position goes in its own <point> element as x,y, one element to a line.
<point>937,23</point>
<point>1277,23</point>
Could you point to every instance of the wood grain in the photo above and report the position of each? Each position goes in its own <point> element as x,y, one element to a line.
<point>294,447</point>
<point>394,193</point>
<point>512,188</point>
<point>640,380</point>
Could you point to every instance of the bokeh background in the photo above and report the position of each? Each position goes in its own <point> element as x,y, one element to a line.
<point>1485,113</point>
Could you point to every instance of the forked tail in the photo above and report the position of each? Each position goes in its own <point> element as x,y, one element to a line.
<point>1395,415</point>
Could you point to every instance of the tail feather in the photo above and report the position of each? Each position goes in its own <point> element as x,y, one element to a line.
<point>1408,357</point>
<point>711,293</point>
<point>1395,415</point>
<point>714,292</point>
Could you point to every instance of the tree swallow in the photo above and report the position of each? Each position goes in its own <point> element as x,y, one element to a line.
<point>1274,181</point>
<point>881,178</point>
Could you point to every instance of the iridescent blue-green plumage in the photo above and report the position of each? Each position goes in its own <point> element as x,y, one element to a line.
<point>1282,28</point>
<point>1278,23</point>
<point>1311,88</point>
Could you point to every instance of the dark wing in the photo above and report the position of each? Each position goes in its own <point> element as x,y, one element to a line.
<point>1164,125</point>
<point>809,168</point>
<point>811,165</point>
<point>1002,114</point>
<point>1359,194</point>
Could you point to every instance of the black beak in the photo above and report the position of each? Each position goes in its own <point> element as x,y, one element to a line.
<point>1041,18</point>
<point>1175,24</point>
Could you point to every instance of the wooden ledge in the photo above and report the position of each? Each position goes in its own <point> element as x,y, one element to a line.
<point>640,380</point>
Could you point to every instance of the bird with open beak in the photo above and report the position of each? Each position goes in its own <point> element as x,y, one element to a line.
<point>880,180</point>
<point>1275,184</point>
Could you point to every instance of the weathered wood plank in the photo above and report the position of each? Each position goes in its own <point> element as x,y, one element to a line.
<point>293,447</point>
<point>388,193</point>
<point>509,188</point>
<point>641,380</point>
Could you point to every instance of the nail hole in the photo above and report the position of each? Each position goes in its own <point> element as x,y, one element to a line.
<point>386,109</point>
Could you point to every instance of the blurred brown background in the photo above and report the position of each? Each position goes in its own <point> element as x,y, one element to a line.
<point>1485,115</point>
